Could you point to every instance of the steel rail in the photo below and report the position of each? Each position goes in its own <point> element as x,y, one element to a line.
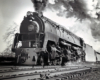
<point>36,73</point>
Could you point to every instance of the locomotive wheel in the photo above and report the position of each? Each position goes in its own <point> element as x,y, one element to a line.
<point>23,60</point>
<point>60,61</point>
<point>15,61</point>
<point>18,59</point>
<point>42,64</point>
<point>41,61</point>
<point>54,62</point>
<point>49,63</point>
<point>63,61</point>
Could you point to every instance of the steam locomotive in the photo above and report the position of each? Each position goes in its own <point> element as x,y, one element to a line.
<point>44,42</point>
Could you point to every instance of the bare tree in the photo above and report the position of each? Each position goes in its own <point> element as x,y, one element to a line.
<point>9,37</point>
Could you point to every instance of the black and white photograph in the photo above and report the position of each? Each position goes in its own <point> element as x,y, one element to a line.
<point>49,39</point>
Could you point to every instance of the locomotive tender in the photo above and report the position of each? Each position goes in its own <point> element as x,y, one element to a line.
<point>42,41</point>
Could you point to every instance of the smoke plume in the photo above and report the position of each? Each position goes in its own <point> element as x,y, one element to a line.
<point>39,5</point>
<point>81,9</point>
<point>69,13</point>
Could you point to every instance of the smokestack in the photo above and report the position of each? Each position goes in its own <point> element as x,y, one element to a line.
<point>39,5</point>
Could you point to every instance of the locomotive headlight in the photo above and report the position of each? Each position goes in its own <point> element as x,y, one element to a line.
<point>34,26</point>
<point>30,27</point>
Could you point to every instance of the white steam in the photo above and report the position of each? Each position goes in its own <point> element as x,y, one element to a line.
<point>88,7</point>
<point>91,6</point>
<point>52,1</point>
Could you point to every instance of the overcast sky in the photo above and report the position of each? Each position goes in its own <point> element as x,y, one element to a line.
<point>14,11</point>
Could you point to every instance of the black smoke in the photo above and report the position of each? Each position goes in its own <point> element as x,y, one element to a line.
<point>73,8</point>
<point>39,5</point>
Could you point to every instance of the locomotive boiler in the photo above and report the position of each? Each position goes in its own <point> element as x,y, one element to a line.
<point>42,41</point>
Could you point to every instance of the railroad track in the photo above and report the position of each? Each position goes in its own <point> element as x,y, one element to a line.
<point>17,69</point>
<point>40,72</point>
<point>28,68</point>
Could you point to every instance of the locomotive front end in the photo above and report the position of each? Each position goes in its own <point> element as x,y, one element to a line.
<point>30,40</point>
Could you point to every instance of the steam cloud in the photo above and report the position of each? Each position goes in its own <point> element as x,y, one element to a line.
<point>80,9</point>
<point>86,11</point>
<point>95,28</point>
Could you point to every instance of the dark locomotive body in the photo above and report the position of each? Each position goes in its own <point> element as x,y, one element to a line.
<point>42,41</point>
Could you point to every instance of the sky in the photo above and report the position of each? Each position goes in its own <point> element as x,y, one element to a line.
<point>12,11</point>
<point>86,26</point>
